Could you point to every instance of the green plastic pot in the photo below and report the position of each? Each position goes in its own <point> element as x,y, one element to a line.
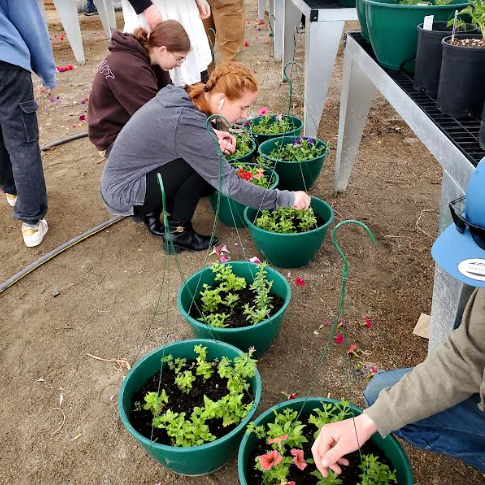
<point>393,29</point>
<point>195,460</point>
<point>245,158</point>
<point>296,123</point>
<point>389,446</point>
<point>259,336</point>
<point>360,5</point>
<point>294,175</point>
<point>290,250</point>
<point>231,211</point>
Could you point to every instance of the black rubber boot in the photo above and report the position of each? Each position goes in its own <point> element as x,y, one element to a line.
<point>154,224</point>
<point>183,237</point>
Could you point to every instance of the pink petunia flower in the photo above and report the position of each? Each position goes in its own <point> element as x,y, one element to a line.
<point>300,282</point>
<point>367,323</point>
<point>224,249</point>
<point>339,339</point>
<point>279,117</point>
<point>269,460</point>
<point>255,259</point>
<point>278,440</point>
<point>263,111</point>
<point>298,458</point>
<point>352,349</point>
<point>215,250</point>
<point>224,259</point>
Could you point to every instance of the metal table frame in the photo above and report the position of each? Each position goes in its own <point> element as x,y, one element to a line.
<point>362,78</point>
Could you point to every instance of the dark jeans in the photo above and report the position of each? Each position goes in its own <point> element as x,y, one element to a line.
<point>458,431</point>
<point>184,187</point>
<point>21,170</point>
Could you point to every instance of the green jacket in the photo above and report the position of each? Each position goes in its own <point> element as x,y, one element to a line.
<point>452,373</point>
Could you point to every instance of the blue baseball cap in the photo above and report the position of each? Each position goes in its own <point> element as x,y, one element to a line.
<point>456,252</point>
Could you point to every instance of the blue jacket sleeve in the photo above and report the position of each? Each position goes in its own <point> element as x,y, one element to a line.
<point>27,19</point>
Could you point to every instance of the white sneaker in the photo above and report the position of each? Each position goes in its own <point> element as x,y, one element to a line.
<point>11,199</point>
<point>34,233</point>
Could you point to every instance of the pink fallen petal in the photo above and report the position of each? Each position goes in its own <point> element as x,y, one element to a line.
<point>339,339</point>
<point>254,259</point>
<point>263,111</point>
<point>368,323</point>
<point>326,324</point>
<point>288,274</point>
<point>215,250</point>
<point>278,440</point>
<point>352,348</point>
<point>224,259</point>
<point>224,249</point>
<point>300,282</point>
<point>269,460</point>
<point>246,43</point>
<point>298,458</point>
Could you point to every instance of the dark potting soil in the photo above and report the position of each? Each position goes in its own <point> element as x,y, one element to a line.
<point>238,319</point>
<point>350,474</point>
<point>468,43</point>
<point>214,388</point>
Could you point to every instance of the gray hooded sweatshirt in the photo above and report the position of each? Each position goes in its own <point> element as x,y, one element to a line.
<point>167,128</point>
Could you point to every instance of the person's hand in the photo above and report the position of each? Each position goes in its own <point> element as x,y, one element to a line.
<point>152,16</point>
<point>336,440</point>
<point>227,142</point>
<point>204,9</point>
<point>302,200</point>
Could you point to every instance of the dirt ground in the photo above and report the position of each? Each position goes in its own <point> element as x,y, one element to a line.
<point>109,284</point>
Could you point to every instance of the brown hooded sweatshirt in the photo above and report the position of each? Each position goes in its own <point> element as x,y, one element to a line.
<point>124,82</point>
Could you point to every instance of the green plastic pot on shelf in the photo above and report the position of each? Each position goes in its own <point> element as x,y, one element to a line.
<point>296,127</point>
<point>261,335</point>
<point>294,175</point>
<point>290,250</point>
<point>245,158</point>
<point>389,446</point>
<point>231,211</point>
<point>195,460</point>
<point>360,6</point>
<point>393,29</point>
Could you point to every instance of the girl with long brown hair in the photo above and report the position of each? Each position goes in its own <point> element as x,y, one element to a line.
<point>168,136</point>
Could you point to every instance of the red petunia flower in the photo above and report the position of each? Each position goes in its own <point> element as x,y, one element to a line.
<point>298,459</point>
<point>339,339</point>
<point>300,282</point>
<point>269,460</point>
<point>278,440</point>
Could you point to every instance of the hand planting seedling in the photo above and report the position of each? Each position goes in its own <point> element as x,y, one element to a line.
<point>271,125</point>
<point>282,445</point>
<point>244,145</point>
<point>287,220</point>
<point>196,398</point>
<point>233,302</point>
<point>299,149</point>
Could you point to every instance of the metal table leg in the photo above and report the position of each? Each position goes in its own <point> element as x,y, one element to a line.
<point>321,47</point>
<point>292,21</point>
<point>67,10</point>
<point>261,9</point>
<point>358,91</point>
<point>279,29</point>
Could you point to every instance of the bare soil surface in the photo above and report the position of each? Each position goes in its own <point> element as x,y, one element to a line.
<point>59,422</point>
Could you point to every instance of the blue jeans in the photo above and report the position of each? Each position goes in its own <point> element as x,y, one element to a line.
<point>458,431</point>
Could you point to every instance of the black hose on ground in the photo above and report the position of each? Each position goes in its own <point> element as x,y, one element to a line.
<point>52,254</point>
<point>64,140</point>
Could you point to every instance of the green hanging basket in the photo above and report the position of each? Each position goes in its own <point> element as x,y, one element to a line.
<point>389,446</point>
<point>260,335</point>
<point>393,29</point>
<point>195,460</point>
<point>295,174</point>
<point>231,211</point>
<point>360,6</point>
<point>245,158</point>
<point>296,127</point>
<point>290,250</point>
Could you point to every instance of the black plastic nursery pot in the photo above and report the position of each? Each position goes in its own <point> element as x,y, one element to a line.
<point>290,250</point>
<point>295,129</point>
<point>231,211</point>
<point>195,460</point>
<point>261,335</point>
<point>389,446</point>
<point>393,29</point>
<point>482,130</point>
<point>429,55</point>
<point>461,91</point>
<point>294,174</point>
